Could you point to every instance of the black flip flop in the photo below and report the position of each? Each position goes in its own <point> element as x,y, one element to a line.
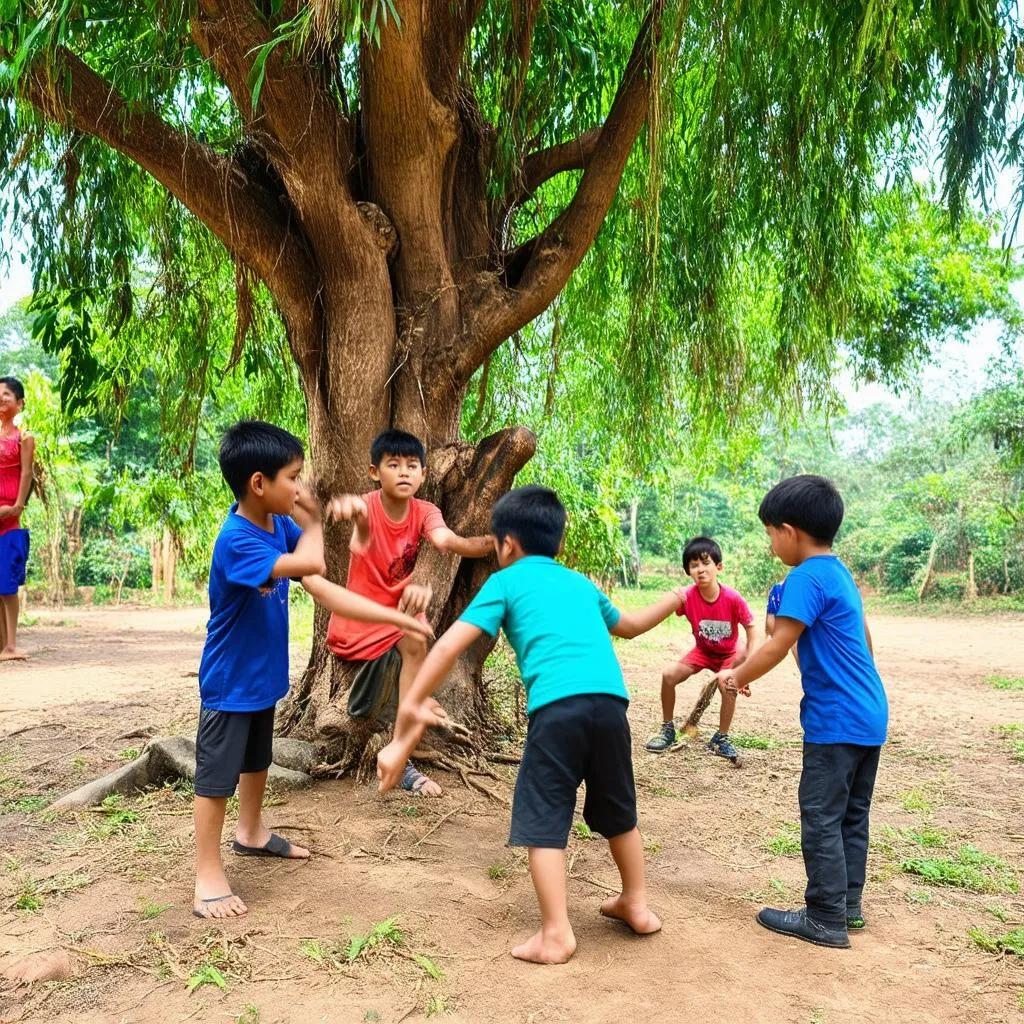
<point>277,846</point>
<point>215,899</point>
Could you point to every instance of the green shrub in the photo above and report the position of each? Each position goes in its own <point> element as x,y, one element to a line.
<point>104,560</point>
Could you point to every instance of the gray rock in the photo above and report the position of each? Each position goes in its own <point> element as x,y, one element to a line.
<point>286,777</point>
<point>298,755</point>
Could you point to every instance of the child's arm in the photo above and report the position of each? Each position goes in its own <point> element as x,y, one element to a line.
<point>764,659</point>
<point>416,711</point>
<point>867,636</point>
<point>352,506</point>
<point>751,632</point>
<point>308,557</point>
<point>769,625</point>
<point>354,606</point>
<point>449,542</point>
<point>641,620</point>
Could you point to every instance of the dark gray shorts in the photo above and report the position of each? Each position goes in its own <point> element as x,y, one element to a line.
<point>573,740</point>
<point>229,743</point>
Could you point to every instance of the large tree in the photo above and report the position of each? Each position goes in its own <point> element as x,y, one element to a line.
<point>412,182</point>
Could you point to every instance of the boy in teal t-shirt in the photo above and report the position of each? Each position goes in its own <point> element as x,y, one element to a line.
<point>558,623</point>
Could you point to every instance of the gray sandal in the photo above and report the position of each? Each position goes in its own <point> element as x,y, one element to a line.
<point>277,846</point>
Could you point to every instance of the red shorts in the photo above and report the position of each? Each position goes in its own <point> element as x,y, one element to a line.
<point>698,659</point>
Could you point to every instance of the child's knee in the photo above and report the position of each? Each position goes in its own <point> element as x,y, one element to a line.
<point>672,675</point>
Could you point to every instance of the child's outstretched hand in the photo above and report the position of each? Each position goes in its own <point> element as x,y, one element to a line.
<point>415,598</point>
<point>390,765</point>
<point>347,506</point>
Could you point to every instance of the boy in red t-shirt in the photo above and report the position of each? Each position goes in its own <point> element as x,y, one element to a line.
<point>714,612</point>
<point>389,524</point>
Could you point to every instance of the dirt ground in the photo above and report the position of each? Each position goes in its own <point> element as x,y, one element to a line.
<point>110,888</point>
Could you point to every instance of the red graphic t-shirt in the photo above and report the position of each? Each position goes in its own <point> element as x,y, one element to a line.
<point>379,571</point>
<point>714,624</point>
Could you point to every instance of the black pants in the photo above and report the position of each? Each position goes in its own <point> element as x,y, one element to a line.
<point>835,799</point>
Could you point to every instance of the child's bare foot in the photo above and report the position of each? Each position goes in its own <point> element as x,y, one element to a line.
<point>547,947</point>
<point>14,655</point>
<point>414,781</point>
<point>214,899</point>
<point>638,916</point>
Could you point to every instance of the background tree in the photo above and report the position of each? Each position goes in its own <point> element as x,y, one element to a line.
<point>412,183</point>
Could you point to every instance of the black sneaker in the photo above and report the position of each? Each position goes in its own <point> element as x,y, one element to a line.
<point>721,745</point>
<point>855,918</point>
<point>800,926</point>
<point>660,743</point>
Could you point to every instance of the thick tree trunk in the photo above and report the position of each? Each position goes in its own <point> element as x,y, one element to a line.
<point>464,481</point>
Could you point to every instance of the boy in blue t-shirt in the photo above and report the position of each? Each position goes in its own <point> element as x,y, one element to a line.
<point>558,623</point>
<point>844,712</point>
<point>244,669</point>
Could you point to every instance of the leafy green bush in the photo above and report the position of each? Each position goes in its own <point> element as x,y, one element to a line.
<point>905,560</point>
<point>104,560</point>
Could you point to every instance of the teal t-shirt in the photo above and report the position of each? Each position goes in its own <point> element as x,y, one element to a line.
<point>557,622</point>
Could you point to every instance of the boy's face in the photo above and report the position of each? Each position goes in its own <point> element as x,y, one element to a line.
<point>278,494</point>
<point>703,570</point>
<point>784,542</point>
<point>400,476</point>
<point>10,404</point>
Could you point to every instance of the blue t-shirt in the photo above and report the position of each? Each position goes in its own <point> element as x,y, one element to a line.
<point>557,622</point>
<point>245,658</point>
<point>844,700</point>
<point>775,599</point>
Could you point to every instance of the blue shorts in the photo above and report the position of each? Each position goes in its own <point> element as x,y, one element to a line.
<point>13,560</point>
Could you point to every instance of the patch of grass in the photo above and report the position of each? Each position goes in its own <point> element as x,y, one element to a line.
<point>785,842</point>
<point>206,974</point>
<point>1005,682</point>
<point>129,754</point>
<point>152,910</point>
<point>968,868</point>
<point>775,890</point>
<point>916,800</point>
<point>412,811</point>
<point>659,790</point>
<point>918,896</point>
<point>998,913</point>
<point>24,804</point>
<point>582,829</point>
<point>438,1004</point>
<point>754,741</point>
<point>313,950</point>
<point>29,898</point>
<point>496,872</point>
<point>371,1015</point>
<point>1010,942</point>
<point>927,835</point>
<point>250,1014</point>
<point>79,764</point>
<point>381,935</point>
<point>1011,729</point>
<point>429,968</point>
<point>1017,749</point>
<point>653,846</point>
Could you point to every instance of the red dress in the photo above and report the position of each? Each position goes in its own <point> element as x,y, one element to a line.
<point>10,477</point>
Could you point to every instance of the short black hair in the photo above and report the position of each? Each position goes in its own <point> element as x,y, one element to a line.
<point>252,446</point>
<point>397,442</point>
<point>534,516</point>
<point>697,548</point>
<point>808,502</point>
<point>17,388</point>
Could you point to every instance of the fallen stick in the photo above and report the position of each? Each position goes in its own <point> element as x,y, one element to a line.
<point>690,728</point>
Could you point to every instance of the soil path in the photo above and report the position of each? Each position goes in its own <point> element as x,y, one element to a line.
<point>110,889</point>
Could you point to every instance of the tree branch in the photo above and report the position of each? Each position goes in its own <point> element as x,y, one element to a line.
<point>544,164</point>
<point>306,130</point>
<point>537,270</point>
<point>215,188</point>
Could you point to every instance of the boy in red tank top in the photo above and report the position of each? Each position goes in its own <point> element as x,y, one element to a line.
<point>389,525</point>
<point>715,612</point>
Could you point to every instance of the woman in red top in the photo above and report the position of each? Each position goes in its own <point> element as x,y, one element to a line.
<point>16,453</point>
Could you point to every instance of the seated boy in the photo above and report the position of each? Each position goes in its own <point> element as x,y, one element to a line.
<point>715,612</point>
<point>389,525</point>
<point>558,623</point>
<point>844,712</point>
<point>244,669</point>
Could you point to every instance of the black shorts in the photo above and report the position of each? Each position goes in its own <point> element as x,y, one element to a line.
<point>577,739</point>
<point>229,743</point>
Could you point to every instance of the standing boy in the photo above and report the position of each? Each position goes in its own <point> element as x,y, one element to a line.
<point>389,524</point>
<point>244,669</point>
<point>844,712</point>
<point>715,612</point>
<point>558,623</point>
